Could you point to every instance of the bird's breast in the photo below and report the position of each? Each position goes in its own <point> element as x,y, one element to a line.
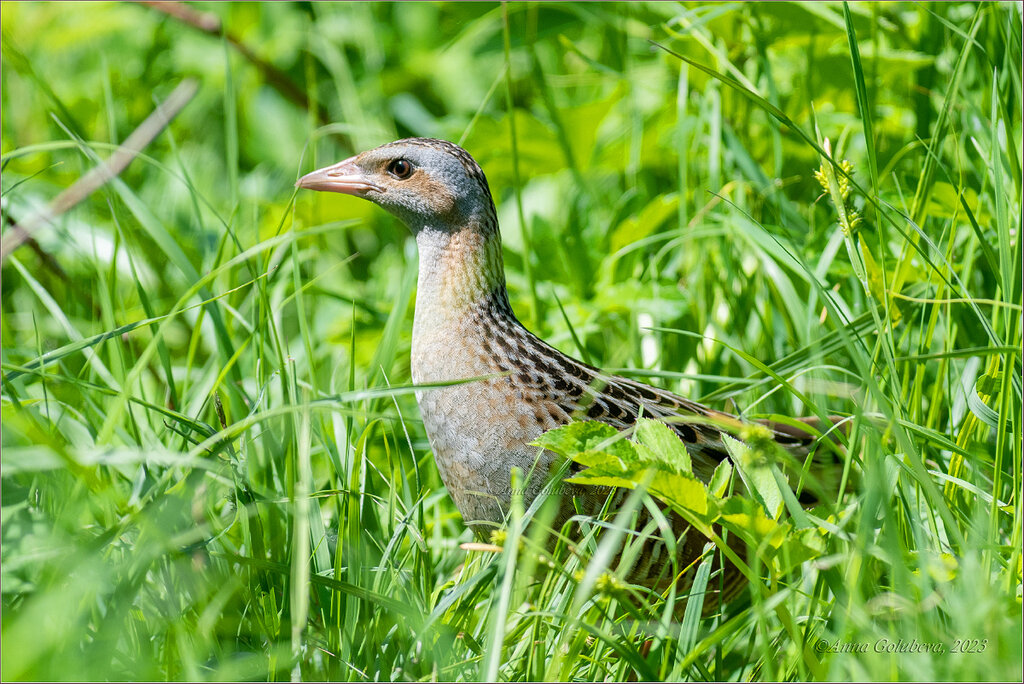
<point>481,426</point>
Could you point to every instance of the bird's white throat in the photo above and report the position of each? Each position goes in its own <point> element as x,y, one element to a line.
<point>457,270</point>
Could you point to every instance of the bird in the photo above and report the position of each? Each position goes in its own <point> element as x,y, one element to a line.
<point>518,386</point>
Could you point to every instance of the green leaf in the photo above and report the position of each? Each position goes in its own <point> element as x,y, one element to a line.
<point>752,523</point>
<point>863,103</point>
<point>615,462</point>
<point>755,470</point>
<point>664,443</point>
<point>720,478</point>
<point>947,202</point>
<point>595,477</point>
<point>799,546</point>
<point>683,491</point>
<point>646,222</point>
<point>606,460</point>
<point>577,437</point>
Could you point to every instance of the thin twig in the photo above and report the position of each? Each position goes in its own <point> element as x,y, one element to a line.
<point>211,25</point>
<point>98,176</point>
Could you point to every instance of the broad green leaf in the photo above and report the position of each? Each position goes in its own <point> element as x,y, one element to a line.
<point>799,546</point>
<point>946,202</point>
<point>752,521</point>
<point>683,491</point>
<point>575,437</point>
<point>940,568</point>
<point>757,475</point>
<point>664,443</point>
<point>619,463</point>
<point>586,119</point>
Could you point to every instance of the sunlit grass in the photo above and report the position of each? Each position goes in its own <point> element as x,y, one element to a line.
<point>213,465</point>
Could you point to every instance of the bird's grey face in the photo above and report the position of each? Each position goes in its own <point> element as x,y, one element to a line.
<point>424,182</point>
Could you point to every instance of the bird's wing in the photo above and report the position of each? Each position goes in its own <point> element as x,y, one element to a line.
<point>620,401</point>
<point>582,391</point>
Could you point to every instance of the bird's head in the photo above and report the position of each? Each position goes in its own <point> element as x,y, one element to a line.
<point>427,183</point>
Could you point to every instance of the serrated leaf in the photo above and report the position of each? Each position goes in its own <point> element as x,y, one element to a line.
<point>665,444</point>
<point>647,458</point>
<point>588,435</point>
<point>756,474</point>
<point>614,462</point>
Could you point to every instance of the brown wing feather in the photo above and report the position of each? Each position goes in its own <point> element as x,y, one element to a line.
<point>579,390</point>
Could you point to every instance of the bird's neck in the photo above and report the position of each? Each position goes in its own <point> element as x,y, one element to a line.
<point>461,303</point>
<point>459,270</point>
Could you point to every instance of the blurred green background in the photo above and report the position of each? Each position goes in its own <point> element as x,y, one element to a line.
<point>194,349</point>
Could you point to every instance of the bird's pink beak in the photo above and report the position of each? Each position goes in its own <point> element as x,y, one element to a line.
<point>344,177</point>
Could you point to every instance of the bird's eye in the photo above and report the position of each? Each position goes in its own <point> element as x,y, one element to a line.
<point>400,169</point>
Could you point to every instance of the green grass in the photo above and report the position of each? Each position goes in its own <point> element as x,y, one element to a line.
<point>213,466</point>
